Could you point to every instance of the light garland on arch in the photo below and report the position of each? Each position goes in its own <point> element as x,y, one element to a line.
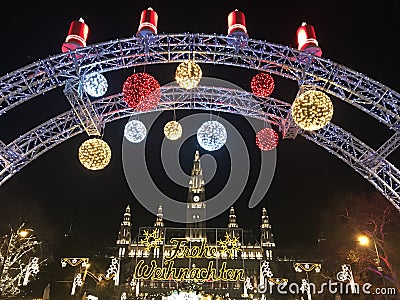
<point>307,267</point>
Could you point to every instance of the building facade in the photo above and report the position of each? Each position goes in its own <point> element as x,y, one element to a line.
<point>194,261</point>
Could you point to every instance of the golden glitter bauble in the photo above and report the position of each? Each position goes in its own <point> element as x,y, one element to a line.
<point>312,110</point>
<point>94,154</point>
<point>188,74</point>
<point>173,130</point>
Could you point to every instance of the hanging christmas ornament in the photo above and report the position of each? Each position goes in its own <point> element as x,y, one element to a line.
<point>262,85</point>
<point>135,131</point>
<point>312,110</point>
<point>94,154</point>
<point>211,135</point>
<point>173,130</point>
<point>267,139</point>
<point>141,91</point>
<point>95,84</point>
<point>188,74</point>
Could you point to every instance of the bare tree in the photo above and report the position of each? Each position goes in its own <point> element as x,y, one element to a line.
<point>21,256</point>
<point>378,223</point>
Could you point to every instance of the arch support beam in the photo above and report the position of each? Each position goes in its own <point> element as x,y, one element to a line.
<point>373,159</point>
<point>83,108</point>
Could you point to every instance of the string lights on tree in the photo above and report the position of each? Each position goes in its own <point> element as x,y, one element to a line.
<point>312,110</point>
<point>94,154</point>
<point>188,74</point>
<point>135,131</point>
<point>173,130</point>
<point>95,84</point>
<point>141,91</point>
<point>211,135</point>
<point>262,85</point>
<point>267,139</point>
<point>21,255</point>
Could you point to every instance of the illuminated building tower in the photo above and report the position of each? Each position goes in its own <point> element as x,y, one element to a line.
<point>232,219</point>
<point>124,234</point>
<point>160,216</point>
<point>196,208</point>
<point>232,225</point>
<point>267,237</point>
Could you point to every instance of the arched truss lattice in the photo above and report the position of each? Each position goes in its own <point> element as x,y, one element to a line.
<point>382,174</point>
<point>67,69</point>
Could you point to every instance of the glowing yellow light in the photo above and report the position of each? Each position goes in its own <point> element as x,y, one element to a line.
<point>23,233</point>
<point>188,74</point>
<point>173,130</point>
<point>363,240</point>
<point>94,154</point>
<point>230,245</point>
<point>151,240</point>
<point>312,110</point>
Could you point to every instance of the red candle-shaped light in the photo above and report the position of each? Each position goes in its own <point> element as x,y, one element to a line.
<point>77,36</point>
<point>148,22</point>
<point>307,40</point>
<point>237,24</point>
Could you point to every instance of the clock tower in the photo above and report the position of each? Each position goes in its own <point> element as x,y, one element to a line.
<point>196,207</point>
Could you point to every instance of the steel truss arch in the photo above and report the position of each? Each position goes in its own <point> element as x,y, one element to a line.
<point>382,174</point>
<point>364,93</point>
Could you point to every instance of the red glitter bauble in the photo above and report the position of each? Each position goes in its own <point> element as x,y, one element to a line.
<point>267,139</point>
<point>262,85</point>
<point>141,91</point>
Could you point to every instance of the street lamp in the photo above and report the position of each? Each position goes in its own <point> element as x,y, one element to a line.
<point>24,233</point>
<point>365,241</point>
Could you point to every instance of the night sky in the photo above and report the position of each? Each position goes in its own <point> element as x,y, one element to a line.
<point>56,193</point>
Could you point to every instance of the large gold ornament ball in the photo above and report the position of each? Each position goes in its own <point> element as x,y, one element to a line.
<point>94,154</point>
<point>173,130</point>
<point>312,110</point>
<point>188,74</point>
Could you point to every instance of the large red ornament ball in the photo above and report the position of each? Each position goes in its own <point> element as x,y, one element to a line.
<point>141,91</point>
<point>267,139</point>
<point>262,85</point>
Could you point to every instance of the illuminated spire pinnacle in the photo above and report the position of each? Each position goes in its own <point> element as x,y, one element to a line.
<point>232,219</point>
<point>265,219</point>
<point>124,235</point>
<point>267,237</point>
<point>196,183</point>
<point>160,216</point>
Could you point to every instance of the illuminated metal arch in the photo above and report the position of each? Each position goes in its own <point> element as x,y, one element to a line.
<point>67,69</point>
<point>355,88</point>
<point>382,175</point>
